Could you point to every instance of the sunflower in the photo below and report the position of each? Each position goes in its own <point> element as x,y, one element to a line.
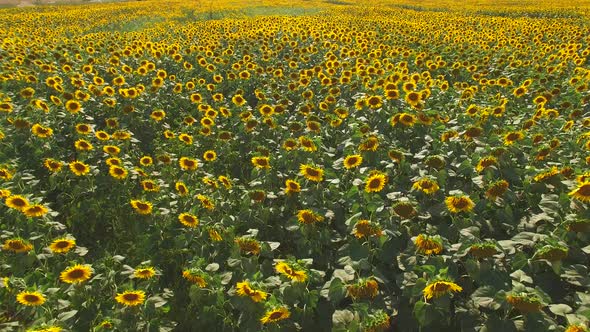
<point>311,173</point>
<point>17,202</point>
<point>370,144</point>
<point>130,298</point>
<point>245,289</point>
<point>52,165</point>
<point>353,161</point>
<point>206,202</point>
<point>83,145</point>
<point>413,99</point>
<point>214,235</point>
<point>524,302</point>
<point>238,100</point>
<point>292,187</point>
<point>118,172</point>
<point>275,315</point>
<point>158,115</point>
<point>375,102</point>
<point>150,185</point>
<point>404,209</point>
<point>582,192</point>
<point>62,245</point>
<point>266,110</point>
<point>248,245</point>
<point>142,207</point>
<point>79,168</point>
<point>101,135</point>
<point>144,272</point>
<point>576,328</point>
<point>428,245</point>
<point>497,189</point>
<point>40,131</point>
<point>187,139</point>
<point>483,250</point>
<point>546,175</point>
<point>426,185</point>
<point>225,181</point>
<point>261,162</point>
<point>188,164</point>
<point>209,155</point>
<point>439,288</point>
<point>30,298</point>
<point>195,276</point>
<point>512,137</point>
<point>290,272</point>
<point>181,188</point>
<point>111,150</point>
<point>365,288</point>
<point>73,106</point>
<point>308,217</point>
<point>486,162</point>
<point>17,245</point>
<point>76,274</point>
<point>307,144</point>
<point>459,203</point>
<point>35,211</point>
<point>364,228</point>
<point>375,182</point>
<point>188,220</point>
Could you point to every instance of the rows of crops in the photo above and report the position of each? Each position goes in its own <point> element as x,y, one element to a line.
<point>282,166</point>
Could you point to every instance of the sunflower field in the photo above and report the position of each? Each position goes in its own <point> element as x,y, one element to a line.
<point>306,165</point>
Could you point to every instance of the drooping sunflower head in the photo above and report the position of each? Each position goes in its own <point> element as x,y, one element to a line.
<point>426,185</point>
<point>248,245</point>
<point>429,245</point>
<point>363,289</point>
<point>195,276</point>
<point>439,288</point>
<point>404,209</point>
<point>459,203</point>
<point>365,228</point>
<point>308,217</point>
<point>524,302</point>
<point>35,211</point>
<point>483,250</point>
<point>292,271</point>
<point>17,245</point>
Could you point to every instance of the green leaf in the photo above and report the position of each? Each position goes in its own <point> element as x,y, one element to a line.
<point>337,291</point>
<point>64,316</point>
<point>521,276</point>
<point>424,313</point>
<point>560,309</point>
<point>484,297</point>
